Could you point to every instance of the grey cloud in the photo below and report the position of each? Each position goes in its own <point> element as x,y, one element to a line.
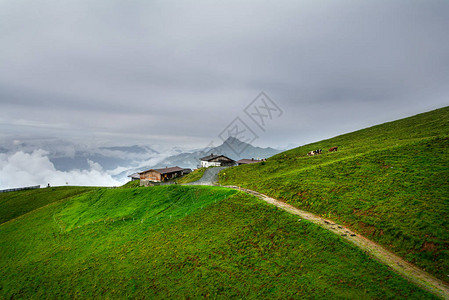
<point>177,69</point>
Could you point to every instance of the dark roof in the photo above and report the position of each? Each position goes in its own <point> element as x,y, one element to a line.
<point>248,161</point>
<point>134,175</point>
<point>165,170</point>
<point>212,156</point>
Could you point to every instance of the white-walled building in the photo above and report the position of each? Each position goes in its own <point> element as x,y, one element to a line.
<point>216,161</point>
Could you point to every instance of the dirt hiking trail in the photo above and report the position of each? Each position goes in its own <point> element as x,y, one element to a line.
<point>405,269</point>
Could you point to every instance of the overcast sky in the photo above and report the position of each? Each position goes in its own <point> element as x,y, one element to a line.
<point>178,72</point>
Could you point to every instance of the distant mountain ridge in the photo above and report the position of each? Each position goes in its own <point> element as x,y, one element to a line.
<point>67,156</point>
<point>132,149</point>
<point>232,148</point>
<point>108,157</point>
<point>120,161</point>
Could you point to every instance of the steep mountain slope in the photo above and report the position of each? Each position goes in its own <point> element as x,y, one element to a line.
<point>388,182</point>
<point>182,242</point>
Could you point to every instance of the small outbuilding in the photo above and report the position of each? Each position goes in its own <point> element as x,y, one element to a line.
<point>158,175</point>
<point>135,176</point>
<point>216,161</point>
<point>186,171</point>
<point>246,161</point>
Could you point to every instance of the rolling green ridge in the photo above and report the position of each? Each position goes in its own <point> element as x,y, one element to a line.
<point>388,182</point>
<point>15,204</point>
<point>182,242</point>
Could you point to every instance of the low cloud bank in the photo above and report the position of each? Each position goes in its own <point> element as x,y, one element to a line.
<point>35,168</point>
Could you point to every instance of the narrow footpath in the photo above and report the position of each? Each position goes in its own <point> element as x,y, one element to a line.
<point>405,269</point>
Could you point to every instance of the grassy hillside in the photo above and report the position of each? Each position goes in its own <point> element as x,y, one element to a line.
<point>194,176</point>
<point>15,204</point>
<point>388,182</point>
<point>182,242</point>
<point>131,184</point>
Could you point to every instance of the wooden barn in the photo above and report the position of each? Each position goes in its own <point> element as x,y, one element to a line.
<point>216,161</point>
<point>158,175</point>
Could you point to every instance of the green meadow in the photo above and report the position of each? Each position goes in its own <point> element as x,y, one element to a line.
<point>131,184</point>
<point>389,182</point>
<point>194,176</point>
<point>13,205</point>
<point>179,242</point>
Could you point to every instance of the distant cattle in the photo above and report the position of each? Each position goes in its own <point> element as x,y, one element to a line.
<point>333,149</point>
<point>314,152</point>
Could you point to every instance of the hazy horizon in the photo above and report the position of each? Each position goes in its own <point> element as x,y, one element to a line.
<point>189,74</point>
